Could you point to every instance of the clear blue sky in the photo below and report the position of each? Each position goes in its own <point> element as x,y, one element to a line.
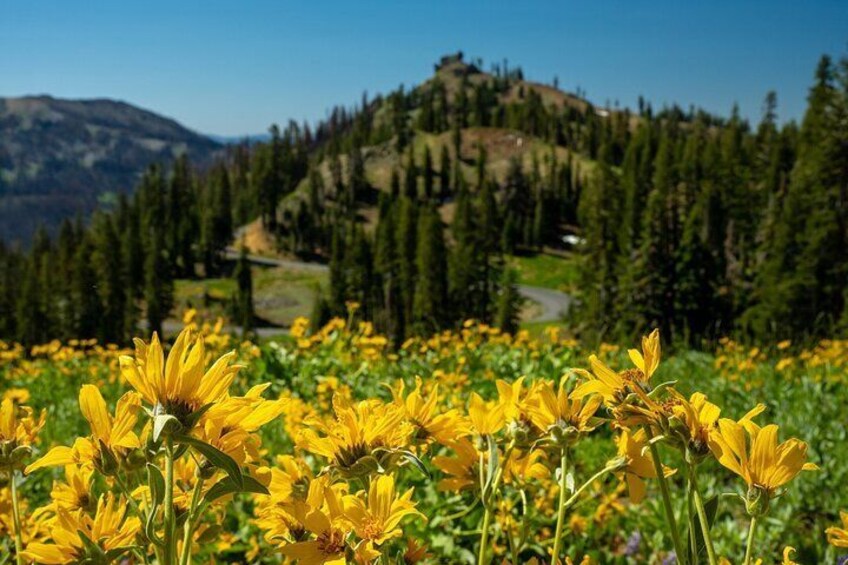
<point>233,68</point>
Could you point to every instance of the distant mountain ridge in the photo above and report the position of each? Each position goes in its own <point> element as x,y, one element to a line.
<point>59,157</point>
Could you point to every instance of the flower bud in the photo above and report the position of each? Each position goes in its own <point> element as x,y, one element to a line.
<point>757,501</point>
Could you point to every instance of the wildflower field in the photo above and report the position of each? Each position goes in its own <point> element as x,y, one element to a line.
<point>328,446</point>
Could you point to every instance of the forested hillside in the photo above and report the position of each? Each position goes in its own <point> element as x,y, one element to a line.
<point>702,225</point>
<point>61,158</point>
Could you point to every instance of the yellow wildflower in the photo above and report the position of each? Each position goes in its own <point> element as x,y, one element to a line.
<point>836,536</point>
<point>180,386</point>
<point>111,437</point>
<point>764,464</point>
<point>110,529</point>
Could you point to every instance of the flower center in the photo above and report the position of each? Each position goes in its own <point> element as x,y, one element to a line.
<point>372,528</point>
<point>330,542</point>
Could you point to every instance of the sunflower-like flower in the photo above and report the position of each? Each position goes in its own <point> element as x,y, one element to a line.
<point>322,529</point>
<point>179,387</point>
<point>75,493</point>
<point>231,423</point>
<point>18,430</point>
<point>366,437</point>
<point>376,519</point>
<point>692,421</point>
<point>636,464</point>
<point>614,387</point>
<point>75,534</point>
<point>462,469</point>
<point>559,415</point>
<point>424,414</point>
<point>487,418</point>
<point>292,482</point>
<point>522,467</point>
<point>515,400</point>
<point>111,440</point>
<point>836,536</point>
<point>764,464</point>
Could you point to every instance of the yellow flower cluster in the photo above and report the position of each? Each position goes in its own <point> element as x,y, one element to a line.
<point>155,476</point>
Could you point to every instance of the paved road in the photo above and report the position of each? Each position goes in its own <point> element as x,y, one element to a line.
<point>173,327</point>
<point>554,304</point>
<point>231,253</point>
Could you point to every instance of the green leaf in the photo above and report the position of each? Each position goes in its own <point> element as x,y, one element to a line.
<point>657,391</point>
<point>163,422</point>
<point>711,509</point>
<point>227,486</point>
<point>416,462</point>
<point>91,548</point>
<point>194,417</point>
<point>156,482</point>
<point>492,466</point>
<point>569,481</point>
<point>215,456</point>
<point>113,554</point>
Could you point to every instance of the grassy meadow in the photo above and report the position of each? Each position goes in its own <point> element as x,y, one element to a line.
<point>434,383</point>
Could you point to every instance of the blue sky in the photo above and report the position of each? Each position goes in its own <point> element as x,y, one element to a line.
<point>233,68</point>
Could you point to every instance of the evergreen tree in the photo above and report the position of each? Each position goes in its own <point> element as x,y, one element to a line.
<point>407,222</point>
<point>444,173</point>
<point>158,286</point>
<point>509,302</point>
<point>431,267</point>
<point>88,310</point>
<point>110,273</point>
<point>428,173</point>
<point>243,312</point>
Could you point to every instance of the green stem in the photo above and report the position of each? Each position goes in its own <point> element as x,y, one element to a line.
<point>690,513</point>
<point>749,549</point>
<point>484,536</point>
<point>563,472</point>
<point>130,500</point>
<point>169,519</point>
<point>16,517</point>
<point>487,514</point>
<point>586,485</point>
<point>188,528</point>
<point>702,514</point>
<point>666,498</point>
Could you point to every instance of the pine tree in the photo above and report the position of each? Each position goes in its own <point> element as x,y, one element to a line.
<point>30,309</point>
<point>444,173</point>
<point>410,178</point>
<point>386,267</point>
<point>110,274</point>
<point>407,222</point>
<point>801,286</point>
<point>509,302</point>
<point>600,216</point>
<point>88,310</point>
<point>428,173</point>
<point>158,286</point>
<point>182,229</point>
<point>243,300</point>
<point>431,266</point>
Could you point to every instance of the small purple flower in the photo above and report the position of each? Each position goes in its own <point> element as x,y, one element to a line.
<point>670,559</point>
<point>842,560</point>
<point>633,542</point>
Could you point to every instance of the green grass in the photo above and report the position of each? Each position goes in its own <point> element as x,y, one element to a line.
<point>279,294</point>
<point>546,271</point>
<point>537,329</point>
